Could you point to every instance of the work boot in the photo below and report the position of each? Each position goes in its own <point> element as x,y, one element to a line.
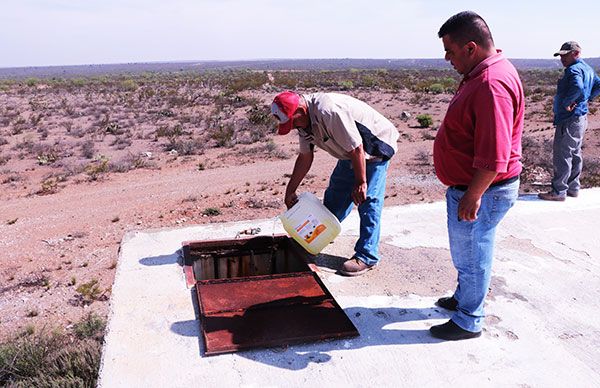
<point>551,196</point>
<point>355,267</point>
<point>447,302</point>
<point>450,331</point>
<point>573,193</point>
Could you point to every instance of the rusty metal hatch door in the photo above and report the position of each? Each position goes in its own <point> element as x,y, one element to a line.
<point>245,312</point>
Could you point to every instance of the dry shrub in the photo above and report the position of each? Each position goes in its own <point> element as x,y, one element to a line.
<point>244,80</point>
<point>169,132</point>
<point>114,128</point>
<point>52,358</point>
<point>222,135</point>
<point>258,203</point>
<point>130,162</point>
<point>19,125</point>
<point>427,135</point>
<point>50,184</point>
<point>48,154</point>
<point>35,280</point>
<point>423,158</point>
<point>26,144</point>
<point>211,211</point>
<point>88,292</point>
<point>88,149</point>
<point>128,85</point>
<point>192,146</point>
<point>122,142</point>
<point>12,178</point>
<point>97,167</point>
<point>270,149</point>
<point>260,132</point>
<point>537,159</point>
<point>590,176</point>
<point>70,169</point>
<point>91,326</point>
<point>420,99</point>
<point>259,115</point>
<point>79,132</point>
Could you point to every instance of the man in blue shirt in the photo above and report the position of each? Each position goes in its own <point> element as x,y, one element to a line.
<point>578,85</point>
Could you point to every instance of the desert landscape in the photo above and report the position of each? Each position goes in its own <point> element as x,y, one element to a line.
<point>86,159</point>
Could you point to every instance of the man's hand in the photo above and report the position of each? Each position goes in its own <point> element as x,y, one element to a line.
<point>291,199</point>
<point>359,193</point>
<point>471,201</point>
<point>571,107</point>
<point>468,207</point>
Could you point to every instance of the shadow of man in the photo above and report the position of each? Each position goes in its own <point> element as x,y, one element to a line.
<point>377,327</point>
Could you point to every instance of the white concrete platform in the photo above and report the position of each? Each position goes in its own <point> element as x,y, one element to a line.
<point>543,329</point>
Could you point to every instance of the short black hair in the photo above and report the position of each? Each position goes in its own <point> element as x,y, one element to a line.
<point>465,27</point>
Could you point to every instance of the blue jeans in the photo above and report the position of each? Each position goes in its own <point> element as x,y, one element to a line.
<point>338,199</point>
<point>472,250</point>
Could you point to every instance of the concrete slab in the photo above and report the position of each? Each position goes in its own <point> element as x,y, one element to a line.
<point>543,326</point>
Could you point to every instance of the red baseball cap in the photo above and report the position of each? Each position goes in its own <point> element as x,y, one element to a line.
<point>283,108</point>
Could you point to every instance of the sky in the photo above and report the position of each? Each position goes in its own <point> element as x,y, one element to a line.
<point>76,32</point>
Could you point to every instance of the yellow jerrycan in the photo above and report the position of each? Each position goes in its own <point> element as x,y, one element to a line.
<point>310,223</point>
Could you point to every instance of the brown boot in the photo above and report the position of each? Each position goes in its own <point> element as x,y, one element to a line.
<point>573,193</point>
<point>551,196</point>
<point>355,267</point>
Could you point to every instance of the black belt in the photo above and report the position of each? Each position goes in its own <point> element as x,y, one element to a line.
<point>499,183</point>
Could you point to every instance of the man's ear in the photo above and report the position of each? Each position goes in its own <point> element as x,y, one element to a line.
<point>471,47</point>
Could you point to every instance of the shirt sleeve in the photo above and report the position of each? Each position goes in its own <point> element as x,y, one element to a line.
<point>574,92</point>
<point>342,128</point>
<point>494,122</point>
<point>596,87</point>
<point>305,145</point>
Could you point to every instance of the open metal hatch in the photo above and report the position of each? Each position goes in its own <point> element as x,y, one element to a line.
<point>260,292</point>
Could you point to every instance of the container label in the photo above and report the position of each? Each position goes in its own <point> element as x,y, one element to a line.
<point>310,228</point>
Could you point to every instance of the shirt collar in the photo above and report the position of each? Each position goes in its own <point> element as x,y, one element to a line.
<point>309,107</point>
<point>578,60</point>
<point>489,61</point>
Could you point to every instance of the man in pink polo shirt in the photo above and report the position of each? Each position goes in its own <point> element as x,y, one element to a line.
<point>476,153</point>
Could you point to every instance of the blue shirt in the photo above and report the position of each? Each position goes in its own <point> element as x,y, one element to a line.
<point>579,84</point>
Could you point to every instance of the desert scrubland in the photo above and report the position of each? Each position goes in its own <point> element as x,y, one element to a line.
<point>85,160</point>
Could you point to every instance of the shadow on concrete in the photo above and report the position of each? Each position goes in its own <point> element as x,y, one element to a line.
<point>173,258</point>
<point>189,328</point>
<point>329,263</point>
<point>528,197</point>
<point>372,323</point>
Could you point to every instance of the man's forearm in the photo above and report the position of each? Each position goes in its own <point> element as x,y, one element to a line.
<point>471,201</point>
<point>359,166</point>
<point>482,179</point>
<point>357,157</point>
<point>301,168</point>
<point>575,92</point>
<point>596,88</point>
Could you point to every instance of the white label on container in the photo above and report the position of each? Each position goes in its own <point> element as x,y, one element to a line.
<point>310,228</point>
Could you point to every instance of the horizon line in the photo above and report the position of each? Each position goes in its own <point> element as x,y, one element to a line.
<point>202,61</point>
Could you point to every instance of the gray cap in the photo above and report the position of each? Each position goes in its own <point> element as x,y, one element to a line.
<point>567,47</point>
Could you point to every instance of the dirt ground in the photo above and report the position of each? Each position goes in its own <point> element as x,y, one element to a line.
<point>60,235</point>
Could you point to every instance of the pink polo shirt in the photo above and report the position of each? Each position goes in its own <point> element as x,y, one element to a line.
<point>483,125</point>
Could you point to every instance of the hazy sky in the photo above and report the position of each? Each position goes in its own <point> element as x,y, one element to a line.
<point>70,32</point>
